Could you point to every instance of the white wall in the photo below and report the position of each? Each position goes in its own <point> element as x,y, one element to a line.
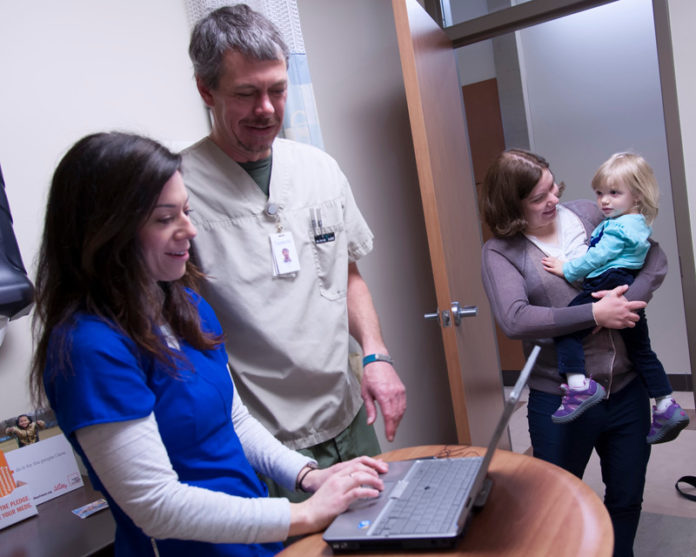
<point>67,69</point>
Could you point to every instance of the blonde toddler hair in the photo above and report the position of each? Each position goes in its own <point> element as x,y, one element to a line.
<point>636,174</point>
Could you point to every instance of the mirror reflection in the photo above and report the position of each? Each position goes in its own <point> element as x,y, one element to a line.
<point>576,90</point>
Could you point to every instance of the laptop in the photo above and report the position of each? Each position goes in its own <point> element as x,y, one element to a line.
<point>426,503</point>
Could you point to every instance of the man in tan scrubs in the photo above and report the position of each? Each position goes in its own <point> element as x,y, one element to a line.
<point>255,198</point>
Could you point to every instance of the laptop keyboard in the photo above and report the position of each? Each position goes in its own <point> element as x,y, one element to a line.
<point>428,499</point>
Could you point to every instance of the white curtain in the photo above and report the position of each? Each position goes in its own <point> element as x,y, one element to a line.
<point>301,122</point>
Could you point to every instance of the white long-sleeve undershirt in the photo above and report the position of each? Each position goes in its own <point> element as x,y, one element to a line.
<point>132,463</point>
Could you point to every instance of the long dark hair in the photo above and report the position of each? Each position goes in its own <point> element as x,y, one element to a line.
<point>102,192</point>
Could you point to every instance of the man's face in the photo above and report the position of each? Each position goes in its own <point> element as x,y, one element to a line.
<point>248,105</point>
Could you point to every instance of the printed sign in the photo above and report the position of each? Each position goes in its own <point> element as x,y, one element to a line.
<point>16,506</point>
<point>48,468</point>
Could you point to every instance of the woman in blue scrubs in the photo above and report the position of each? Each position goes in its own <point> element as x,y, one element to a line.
<point>133,363</point>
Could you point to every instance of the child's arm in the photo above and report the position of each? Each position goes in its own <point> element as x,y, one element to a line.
<point>607,249</point>
<point>553,265</point>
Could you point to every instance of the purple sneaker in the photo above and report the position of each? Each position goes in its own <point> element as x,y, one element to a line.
<point>574,403</point>
<point>667,425</point>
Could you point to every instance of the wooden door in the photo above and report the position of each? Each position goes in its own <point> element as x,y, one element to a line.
<point>449,202</point>
<point>484,124</point>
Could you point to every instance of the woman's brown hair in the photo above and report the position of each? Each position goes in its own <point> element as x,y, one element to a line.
<point>508,181</point>
<point>102,192</point>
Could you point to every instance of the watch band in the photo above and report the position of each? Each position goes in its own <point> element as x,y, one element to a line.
<point>309,467</point>
<point>377,358</point>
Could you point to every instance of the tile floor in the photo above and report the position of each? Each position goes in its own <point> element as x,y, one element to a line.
<point>668,522</point>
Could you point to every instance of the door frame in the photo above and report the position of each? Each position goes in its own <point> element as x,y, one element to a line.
<point>515,18</point>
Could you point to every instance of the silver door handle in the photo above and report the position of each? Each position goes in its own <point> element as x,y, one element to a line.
<point>459,311</point>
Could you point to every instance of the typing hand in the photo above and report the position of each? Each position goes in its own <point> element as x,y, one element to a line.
<point>333,497</point>
<point>314,479</point>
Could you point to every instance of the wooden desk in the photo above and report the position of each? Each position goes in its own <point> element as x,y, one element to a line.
<point>57,531</point>
<point>530,511</point>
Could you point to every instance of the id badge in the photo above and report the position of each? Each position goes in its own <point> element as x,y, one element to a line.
<point>284,254</point>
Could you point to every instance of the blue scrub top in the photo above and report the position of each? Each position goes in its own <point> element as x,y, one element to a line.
<point>110,380</point>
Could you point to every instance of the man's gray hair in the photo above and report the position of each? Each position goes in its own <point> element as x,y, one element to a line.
<point>237,28</point>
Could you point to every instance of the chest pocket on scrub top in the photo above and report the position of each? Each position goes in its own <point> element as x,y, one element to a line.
<point>330,251</point>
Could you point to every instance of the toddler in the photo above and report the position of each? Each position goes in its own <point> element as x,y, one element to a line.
<point>627,195</point>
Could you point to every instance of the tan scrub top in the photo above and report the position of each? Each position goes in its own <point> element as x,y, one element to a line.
<point>286,336</point>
